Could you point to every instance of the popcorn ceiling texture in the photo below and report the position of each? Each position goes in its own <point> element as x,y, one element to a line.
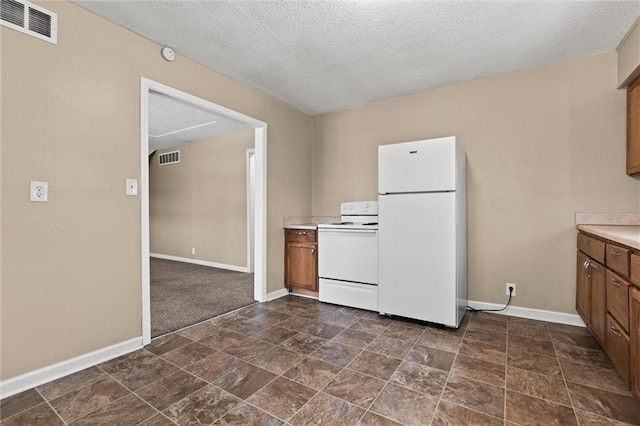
<point>327,56</point>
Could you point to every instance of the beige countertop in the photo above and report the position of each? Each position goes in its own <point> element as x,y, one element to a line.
<point>628,235</point>
<point>300,226</point>
<point>307,222</point>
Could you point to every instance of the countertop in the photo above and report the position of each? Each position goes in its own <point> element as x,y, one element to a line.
<point>627,235</point>
<point>300,226</point>
<point>307,222</point>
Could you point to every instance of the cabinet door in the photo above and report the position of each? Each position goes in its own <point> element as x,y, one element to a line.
<point>583,288</point>
<point>618,348</point>
<point>634,331</point>
<point>598,302</point>
<point>302,266</point>
<point>633,128</point>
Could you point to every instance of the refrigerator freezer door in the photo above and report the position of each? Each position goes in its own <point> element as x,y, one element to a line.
<point>417,257</point>
<point>420,166</point>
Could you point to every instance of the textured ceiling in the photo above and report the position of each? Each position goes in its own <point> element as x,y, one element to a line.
<point>173,122</point>
<point>331,55</point>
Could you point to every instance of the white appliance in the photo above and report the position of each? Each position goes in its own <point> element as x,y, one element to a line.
<point>423,230</point>
<point>348,257</point>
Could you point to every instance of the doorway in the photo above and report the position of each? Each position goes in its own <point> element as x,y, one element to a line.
<point>256,252</point>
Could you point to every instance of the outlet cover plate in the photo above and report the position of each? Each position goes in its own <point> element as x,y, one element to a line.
<point>39,192</point>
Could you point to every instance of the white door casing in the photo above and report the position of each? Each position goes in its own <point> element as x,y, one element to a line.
<point>260,189</point>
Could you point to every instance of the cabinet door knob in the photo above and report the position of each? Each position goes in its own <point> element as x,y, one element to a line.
<point>614,282</point>
<point>313,251</point>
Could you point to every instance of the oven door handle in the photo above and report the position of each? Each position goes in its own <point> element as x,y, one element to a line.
<point>348,231</point>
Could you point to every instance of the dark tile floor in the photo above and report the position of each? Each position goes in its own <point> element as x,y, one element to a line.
<point>296,361</point>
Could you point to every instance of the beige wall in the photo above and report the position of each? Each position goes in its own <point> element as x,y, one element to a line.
<point>70,116</point>
<point>201,202</point>
<point>541,145</point>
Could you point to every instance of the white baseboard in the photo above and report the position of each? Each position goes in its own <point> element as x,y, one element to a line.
<point>201,262</point>
<point>46,374</point>
<point>530,313</point>
<point>305,295</point>
<point>277,294</point>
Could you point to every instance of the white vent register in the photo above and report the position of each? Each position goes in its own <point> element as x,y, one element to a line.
<point>30,19</point>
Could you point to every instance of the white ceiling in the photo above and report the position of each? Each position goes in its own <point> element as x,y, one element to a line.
<point>173,122</point>
<point>331,55</point>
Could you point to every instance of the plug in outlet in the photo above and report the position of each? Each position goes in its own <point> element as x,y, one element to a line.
<point>511,286</point>
<point>39,192</point>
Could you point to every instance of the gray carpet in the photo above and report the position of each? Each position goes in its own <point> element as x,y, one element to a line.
<point>183,294</point>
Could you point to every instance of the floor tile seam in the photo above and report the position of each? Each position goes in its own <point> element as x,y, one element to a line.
<point>626,393</point>
<point>449,375</point>
<point>376,399</point>
<point>482,341</point>
<point>54,410</point>
<point>383,416</point>
<point>566,381</point>
<point>134,391</point>
<point>545,399</point>
<point>115,401</point>
<point>44,401</point>
<point>566,385</point>
<point>585,363</point>
<point>504,420</point>
<point>244,401</point>
<point>506,377</point>
<point>206,383</point>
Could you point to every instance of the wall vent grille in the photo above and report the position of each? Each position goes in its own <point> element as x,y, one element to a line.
<point>166,158</point>
<point>30,19</point>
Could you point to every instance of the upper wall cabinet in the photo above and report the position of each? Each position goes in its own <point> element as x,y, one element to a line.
<point>633,128</point>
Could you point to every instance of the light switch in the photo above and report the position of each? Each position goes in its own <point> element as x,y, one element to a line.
<point>39,192</point>
<point>132,187</point>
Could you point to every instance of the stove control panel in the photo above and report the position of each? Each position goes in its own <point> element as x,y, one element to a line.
<point>359,208</point>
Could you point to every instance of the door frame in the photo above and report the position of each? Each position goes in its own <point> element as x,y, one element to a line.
<point>260,196</point>
<point>250,172</point>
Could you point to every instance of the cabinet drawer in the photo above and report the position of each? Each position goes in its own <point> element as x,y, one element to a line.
<point>618,348</point>
<point>301,235</point>
<point>618,259</point>
<point>592,247</point>
<point>634,272</point>
<point>618,298</point>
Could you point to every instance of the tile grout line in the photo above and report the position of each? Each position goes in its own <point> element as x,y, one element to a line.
<point>450,373</point>
<point>51,406</point>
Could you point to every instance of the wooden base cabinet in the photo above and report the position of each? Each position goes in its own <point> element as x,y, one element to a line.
<point>591,302</point>
<point>608,301</point>
<point>634,342</point>
<point>301,259</point>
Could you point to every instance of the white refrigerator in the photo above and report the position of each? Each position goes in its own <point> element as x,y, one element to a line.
<point>422,239</point>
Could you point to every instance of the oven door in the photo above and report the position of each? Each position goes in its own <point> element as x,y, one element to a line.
<point>348,255</point>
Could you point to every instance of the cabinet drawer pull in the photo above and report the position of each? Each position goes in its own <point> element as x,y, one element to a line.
<point>587,242</point>
<point>614,282</point>
<point>615,332</point>
<point>614,253</point>
<point>301,233</point>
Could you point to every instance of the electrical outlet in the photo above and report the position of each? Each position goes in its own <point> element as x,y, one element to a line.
<point>193,250</point>
<point>39,192</point>
<point>513,286</point>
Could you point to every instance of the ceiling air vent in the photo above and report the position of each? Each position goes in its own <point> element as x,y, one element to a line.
<point>29,19</point>
<point>169,158</point>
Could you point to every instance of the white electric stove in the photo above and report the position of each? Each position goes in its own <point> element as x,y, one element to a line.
<point>348,257</point>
